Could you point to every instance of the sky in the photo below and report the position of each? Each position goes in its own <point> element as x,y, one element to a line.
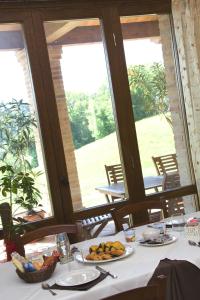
<point>83,67</point>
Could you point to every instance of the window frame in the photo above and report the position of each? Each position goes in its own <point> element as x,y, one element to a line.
<point>32,16</point>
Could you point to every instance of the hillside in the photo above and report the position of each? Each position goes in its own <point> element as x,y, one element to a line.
<point>155,137</point>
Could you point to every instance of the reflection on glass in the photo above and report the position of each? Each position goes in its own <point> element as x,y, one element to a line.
<point>84,106</point>
<point>21,148</point>
<point>155,102</point>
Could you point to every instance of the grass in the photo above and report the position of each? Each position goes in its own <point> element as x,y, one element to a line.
<point>155,137</point>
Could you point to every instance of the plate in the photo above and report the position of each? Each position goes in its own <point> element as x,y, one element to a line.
<point>78,277</point>
<point>171,240</point>
<point>128,251</point>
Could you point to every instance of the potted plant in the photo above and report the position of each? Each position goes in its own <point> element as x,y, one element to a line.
<point>19,190</point>
<point>18,160</point>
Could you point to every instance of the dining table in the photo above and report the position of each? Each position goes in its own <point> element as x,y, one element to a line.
<point>133,271</point>
<point>118,189</point>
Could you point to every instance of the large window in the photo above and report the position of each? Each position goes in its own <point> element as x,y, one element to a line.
<point>21,152</point>
<point>105,118</point>
<point>84,105</point>
<point>155,102</point>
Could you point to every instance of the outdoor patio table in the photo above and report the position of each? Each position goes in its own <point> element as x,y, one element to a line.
<point>133,271</point>
<point>117,189</point>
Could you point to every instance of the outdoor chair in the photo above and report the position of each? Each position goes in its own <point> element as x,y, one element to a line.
<point>156,291</point>
<point>114,174</point>
<point>167,166</point>
<point>174,205</point>
<point>138,214</point>
<point>165,163</point>
<point>93,226</point>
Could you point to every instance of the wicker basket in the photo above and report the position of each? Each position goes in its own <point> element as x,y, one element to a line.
<point>37,276</point>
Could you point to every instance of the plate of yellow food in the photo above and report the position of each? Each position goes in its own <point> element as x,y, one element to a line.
<point>105,252</point>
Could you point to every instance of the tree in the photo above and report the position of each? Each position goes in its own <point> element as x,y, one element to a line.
<point>148,90</point>
<point>103,112</point>
<point>78,108</point>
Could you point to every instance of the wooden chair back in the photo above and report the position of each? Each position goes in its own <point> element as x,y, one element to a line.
<point>174,205</point>
<point>6,219</point>
<point>165,163</point>
<point>157,291</point>
<point>114,173</point>
<point>139,213</point>
<point>45,231</point>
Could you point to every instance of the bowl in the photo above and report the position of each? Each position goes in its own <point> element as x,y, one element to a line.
<point>151,234</point>
<point>37,276</point>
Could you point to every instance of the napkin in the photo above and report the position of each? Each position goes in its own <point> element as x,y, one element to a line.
<point>183,279</point>
<point>81,287</point>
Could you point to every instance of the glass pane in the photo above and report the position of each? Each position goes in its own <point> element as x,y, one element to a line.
<point>155,101</point>
<point>84,104</point>
<point>21,155</point>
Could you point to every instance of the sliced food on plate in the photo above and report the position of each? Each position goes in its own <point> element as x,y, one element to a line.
<point>105,251</point>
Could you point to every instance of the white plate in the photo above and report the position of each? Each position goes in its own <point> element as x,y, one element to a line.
<point>170,241</point>
<point>128,251</point>
<point>77,277</point>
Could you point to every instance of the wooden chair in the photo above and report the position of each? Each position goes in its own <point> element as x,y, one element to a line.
<point>45,231</point>
<point>165,163</point>
<point>99,221</point>
<point>114,174</point>
<point>138,212</point>
<point>157,291</point>
<point>6,219</point>
<point>174,205</point>
<point>167,166</point>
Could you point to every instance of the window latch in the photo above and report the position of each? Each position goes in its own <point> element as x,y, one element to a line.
<point>114,39</point>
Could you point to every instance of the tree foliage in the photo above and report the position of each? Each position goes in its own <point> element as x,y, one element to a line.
<point>148,90</point>
<point>78,109</point>
<point>92,117</point>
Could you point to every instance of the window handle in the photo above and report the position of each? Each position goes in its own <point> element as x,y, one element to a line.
<point>114,39</point>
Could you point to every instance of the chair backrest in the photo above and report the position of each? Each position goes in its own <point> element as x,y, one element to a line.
<point>165,163</point>
<point>173,205</point>
<point>157,291</point>
<point>45,231</point>
<point>6,219</point>
<point>114,173</point>
<point>139,213</point>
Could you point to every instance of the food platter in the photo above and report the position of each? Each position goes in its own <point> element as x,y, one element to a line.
<point>81,256</point>
<point>171,239</point>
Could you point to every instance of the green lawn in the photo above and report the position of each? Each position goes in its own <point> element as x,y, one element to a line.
<point>155,137</point>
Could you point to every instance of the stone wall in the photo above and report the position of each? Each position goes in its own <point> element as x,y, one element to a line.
<point>175,108</point>
<point>186,15</point>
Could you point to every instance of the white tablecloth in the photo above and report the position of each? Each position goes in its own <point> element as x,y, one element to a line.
<point>133,271</point>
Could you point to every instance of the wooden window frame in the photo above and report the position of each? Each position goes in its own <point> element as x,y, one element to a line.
<point>32,15</point>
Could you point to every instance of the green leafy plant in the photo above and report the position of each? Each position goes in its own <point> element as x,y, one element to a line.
<point>17,124</point>
<point>19,190</point>
<point>18,157</point>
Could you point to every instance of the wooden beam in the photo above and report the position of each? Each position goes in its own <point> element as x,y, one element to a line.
<point>55,30</point>
<point>92,34</point>
<point>87,33</point>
